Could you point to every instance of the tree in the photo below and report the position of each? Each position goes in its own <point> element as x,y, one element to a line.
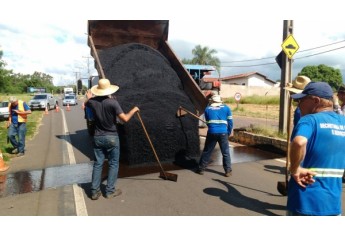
<point>2,64</point>
<point>11,82</point>
<point>323,73</point>
<point>204,56</point>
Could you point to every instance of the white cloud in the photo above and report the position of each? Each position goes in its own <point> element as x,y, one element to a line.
<point>55,48</point>
<point>52,39</point>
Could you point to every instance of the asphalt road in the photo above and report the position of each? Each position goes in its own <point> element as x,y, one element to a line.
<point>53,179</point>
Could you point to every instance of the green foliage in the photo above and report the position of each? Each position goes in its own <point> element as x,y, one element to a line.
<point>14,83</point>
<point>265,131</point>
<point>323,73</point>
<point>204,56</point>
<point>255,99</point>
<point>18,83</point>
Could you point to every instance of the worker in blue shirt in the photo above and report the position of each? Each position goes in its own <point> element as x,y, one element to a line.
<point>317,158</point>
<point>219,121</point>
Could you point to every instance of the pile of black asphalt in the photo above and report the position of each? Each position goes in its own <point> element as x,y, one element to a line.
<point>147,80</point>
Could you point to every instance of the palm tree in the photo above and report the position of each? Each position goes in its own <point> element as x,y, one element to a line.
<point>204,56</point>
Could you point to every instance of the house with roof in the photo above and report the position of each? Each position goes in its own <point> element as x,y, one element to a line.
<point>250,79</point>
<point>248,84</point>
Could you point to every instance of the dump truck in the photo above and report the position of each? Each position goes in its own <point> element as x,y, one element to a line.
<point>135,55</point>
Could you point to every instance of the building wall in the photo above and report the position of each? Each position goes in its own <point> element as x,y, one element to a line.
<point>252,80</point>
<point>259,81</point>
<point>229,90</point>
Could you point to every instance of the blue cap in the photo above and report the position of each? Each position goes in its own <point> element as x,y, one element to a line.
<point>318,89</point>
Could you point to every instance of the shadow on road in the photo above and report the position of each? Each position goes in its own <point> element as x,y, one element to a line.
<point>81,141</point>
<point>233,197</point>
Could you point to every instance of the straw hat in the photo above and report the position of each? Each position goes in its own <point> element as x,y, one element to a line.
<point>298,84</point>
<point>216,100</point>
<point>104,88</point>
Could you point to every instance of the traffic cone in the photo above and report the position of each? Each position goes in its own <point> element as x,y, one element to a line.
<point>2,183</point>
<point>46,111</point>
<point>68,108</point>
<point>3,166</point>
<point>2,180</point>
<point>57,108</point>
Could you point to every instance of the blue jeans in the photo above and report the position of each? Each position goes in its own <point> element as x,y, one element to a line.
<point>17,130</point>
<point>210,143</point>
<point>105,147</point>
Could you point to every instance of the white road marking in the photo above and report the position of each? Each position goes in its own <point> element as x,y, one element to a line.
<point>280,160</point>
<point>78,193</point>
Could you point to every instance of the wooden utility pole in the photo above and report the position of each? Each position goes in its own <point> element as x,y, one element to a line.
<point>285,78</point>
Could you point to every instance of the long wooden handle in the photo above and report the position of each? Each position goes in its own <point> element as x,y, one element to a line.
<point>192,114</point>
<point>153,149</point>
<point>288,141</point>
<point>96,56</point>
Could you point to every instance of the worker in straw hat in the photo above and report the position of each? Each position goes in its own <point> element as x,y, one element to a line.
<point>341,97</point>
<point>297,86</point>
<point>106,109</point>
<point>340,109</point>
<point>219,121</point>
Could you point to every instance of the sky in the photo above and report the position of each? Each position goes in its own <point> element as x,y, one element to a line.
<point>59,47</point>
<point>53,40</point>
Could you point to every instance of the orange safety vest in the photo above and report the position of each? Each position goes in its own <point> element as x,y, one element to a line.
<point>21,118</point>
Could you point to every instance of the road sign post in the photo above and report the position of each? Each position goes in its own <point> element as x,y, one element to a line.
<point>290,46</point>
<point>237,99</point>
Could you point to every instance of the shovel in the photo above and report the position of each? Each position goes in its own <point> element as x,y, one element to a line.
<point>282,187</point>
<point>163,174</point>
<point>183,111</point>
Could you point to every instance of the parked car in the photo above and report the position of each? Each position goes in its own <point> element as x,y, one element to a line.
<point>43,101</point>
<point>4,112</point>
<point>70,99</point>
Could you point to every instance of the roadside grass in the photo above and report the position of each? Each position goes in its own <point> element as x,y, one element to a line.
<point>34,120</point>
<point>255,106</point>
<point>255,99</point>
<point>258,107</point>
<point>265,131</point>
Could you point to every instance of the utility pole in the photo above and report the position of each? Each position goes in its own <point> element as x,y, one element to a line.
<point>285,78</point>
<point>88,65</point>
<point>88,71</point>
<point>76,81</point>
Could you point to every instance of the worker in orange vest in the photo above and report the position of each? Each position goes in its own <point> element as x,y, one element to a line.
<point>17,124</point>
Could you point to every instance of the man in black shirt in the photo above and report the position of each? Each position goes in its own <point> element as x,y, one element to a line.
<point>106,109</point>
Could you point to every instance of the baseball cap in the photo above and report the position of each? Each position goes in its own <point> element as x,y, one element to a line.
<point>318,89</point>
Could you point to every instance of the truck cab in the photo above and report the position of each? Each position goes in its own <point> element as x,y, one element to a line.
<point>202,74</point>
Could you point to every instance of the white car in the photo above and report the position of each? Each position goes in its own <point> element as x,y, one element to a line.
<point>70,100</point>
<point>4,112</point>
<point>43,101</point>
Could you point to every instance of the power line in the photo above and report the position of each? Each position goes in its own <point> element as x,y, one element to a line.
<point>264,58</point>
<point>264,64</point>
<point>320,53</point>
<point>271,63</point>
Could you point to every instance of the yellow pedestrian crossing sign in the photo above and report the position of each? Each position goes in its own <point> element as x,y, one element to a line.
<point>290,46</point>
